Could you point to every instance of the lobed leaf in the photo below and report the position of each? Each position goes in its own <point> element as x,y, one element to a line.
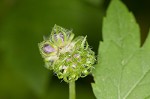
<point>123,69</point>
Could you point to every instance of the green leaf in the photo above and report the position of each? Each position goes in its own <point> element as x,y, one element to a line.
<point>123,69</point>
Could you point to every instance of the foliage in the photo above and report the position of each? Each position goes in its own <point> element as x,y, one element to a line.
<point>22,25</point>
<point>123,69</point>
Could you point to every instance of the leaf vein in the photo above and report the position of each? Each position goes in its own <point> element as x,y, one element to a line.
<point>135,85</point>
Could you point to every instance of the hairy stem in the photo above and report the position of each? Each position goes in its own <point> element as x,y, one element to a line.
<point>72,93</point>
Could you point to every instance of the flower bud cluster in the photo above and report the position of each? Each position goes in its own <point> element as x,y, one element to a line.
<point>69,58</point>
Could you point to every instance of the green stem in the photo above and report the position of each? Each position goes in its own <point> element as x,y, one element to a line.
<point>72,93</point>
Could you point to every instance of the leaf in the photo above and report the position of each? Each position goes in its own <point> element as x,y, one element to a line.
<point>123,69</point>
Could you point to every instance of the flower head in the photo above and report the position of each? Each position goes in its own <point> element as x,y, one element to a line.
<point>69,58</point>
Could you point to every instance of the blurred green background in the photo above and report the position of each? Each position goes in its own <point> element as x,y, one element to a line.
<point>22,26</point>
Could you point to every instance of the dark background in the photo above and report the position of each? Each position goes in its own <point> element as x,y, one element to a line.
<point>22,26</point>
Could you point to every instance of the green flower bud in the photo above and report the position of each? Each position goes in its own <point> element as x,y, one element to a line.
<point>69,58</point>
